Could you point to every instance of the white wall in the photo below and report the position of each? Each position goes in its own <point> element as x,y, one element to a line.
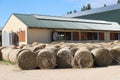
<point>39,35</point>
<point>14,25</point>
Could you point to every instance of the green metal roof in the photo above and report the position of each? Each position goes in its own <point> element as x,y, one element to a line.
<point>53,22</point>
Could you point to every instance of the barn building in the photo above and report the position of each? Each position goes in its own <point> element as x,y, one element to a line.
<point>28,28</point>
<point>109,13</point>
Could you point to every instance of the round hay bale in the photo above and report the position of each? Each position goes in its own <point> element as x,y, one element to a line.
<point>116,47</point>
<point>21,46</point>
<point>34,43</point>
<point>53,48</point>
<point>64,58</point>
<point>1,52</point>
<point>14,54</point>
<point>83,59</point>
<point>46,59</point>
<point>102,56</point>
<point>27,60</point>
<point>5,53</point>
<point>12,46</point>
<point>115,55</point>
<point>73,50</point>
<point>37,47</point>
<point>26,47</point>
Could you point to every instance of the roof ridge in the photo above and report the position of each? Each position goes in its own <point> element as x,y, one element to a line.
<point>95,10</point>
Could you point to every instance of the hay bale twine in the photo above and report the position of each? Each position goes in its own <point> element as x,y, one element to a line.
<point>83,59</point>
<point>102,56</point>
<point>27,60</point>
<point>46,59</point>
<point>64,58</point>
<point>5,53</point>
<point>115,55</point>
<point>13,55</point>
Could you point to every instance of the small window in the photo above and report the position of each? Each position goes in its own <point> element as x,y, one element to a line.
<point>92,36</point>
<point>76,36</point>
<point>61,36</point>
<point>113,36</point>
<point>101,36</point>
<point>68,35</point>
<point>83,35</point>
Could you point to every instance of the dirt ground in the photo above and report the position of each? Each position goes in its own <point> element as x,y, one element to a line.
<point>12,72</point>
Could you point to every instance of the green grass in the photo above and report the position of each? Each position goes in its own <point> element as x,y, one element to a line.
<point>5,62</point>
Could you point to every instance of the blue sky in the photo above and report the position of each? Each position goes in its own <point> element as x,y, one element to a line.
<point>45,7</point>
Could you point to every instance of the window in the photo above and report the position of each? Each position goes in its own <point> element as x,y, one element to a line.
<point>68,35</point>
<point>92,36</point>
<point>64,36</point>
<point>114,36</point>
<point>76,36</point>
<point>61,36</point>
<point>83,35</point>
<point>101,36</point>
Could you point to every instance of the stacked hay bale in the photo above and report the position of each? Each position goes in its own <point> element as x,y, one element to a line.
<point>64,58</point>
<point>21,46</point>
<point>5,53</point>
<point>13,55</point>
<point>115,55</point>
<point>62,55</point>
<point>82,59</point>
<point>1,52</point>
<point>46,59</point>
<point>37,48</point>
<point>102,57</point>
<point>27,60</point>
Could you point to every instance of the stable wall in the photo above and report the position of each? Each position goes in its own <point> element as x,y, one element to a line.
<point>14,25</point>
<point>39,35</point>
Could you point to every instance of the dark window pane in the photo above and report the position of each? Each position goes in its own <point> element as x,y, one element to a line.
<point>113,36</point>
<point>92,36</point>
<point>101,36</point>
<point>61,36</point>
<point>68,35</point>
<point>76,36</point>
<point>84,36</point>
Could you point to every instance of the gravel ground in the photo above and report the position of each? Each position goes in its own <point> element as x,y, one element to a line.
<point>12,72</point>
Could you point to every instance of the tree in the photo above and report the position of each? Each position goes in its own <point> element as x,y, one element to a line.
<point>70,12</point>
<point>84,8</point>
<point>105,5</point>
<point>75,11</point>
<point>88,7</point>
<point>118,2</point>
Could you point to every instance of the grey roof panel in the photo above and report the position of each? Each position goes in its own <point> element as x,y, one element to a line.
<point>94,11</point>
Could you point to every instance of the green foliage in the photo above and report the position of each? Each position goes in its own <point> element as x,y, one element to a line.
<point>118,2</point>
<point>105,5</point>
<point>84,8</point>
<point>75,11</point>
